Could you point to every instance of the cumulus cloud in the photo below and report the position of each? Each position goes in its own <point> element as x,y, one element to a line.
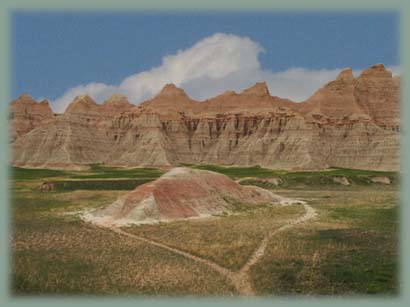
<point>98,91</point>
<point>214,64</point>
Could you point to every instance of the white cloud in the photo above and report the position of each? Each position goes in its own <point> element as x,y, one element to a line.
<point>215,64</point>
<point>395,70</point>
<point>98,91</point>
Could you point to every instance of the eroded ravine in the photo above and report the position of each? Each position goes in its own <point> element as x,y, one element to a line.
<point>239,279</point>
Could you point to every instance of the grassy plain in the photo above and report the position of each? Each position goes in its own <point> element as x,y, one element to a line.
<point>350,248</point>
<point>54,253</point>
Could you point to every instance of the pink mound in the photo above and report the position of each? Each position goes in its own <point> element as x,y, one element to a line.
<point>179,194</point>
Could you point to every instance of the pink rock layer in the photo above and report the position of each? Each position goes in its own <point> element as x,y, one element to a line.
<point>179,194</point>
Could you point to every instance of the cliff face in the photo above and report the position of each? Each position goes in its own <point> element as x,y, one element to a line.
<point>27,114</point>
<point>350,122</point>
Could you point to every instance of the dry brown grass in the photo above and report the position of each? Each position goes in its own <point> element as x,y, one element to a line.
<point>59,254</point>
<point>69,257</point>
<point>227,240</point>
<point>351,248</point>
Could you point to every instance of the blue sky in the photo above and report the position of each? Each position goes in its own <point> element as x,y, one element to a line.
<point>54,52</point>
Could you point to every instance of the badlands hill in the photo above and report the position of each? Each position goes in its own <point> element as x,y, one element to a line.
<point>349,122</point>
<point>179,194</point>
<point>26,114</point>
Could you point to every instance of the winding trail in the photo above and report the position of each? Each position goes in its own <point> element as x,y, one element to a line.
<point>239,279</point>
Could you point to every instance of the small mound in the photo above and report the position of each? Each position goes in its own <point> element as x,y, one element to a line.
<point>180,194</point>
<point>380,179</point>
<point>341,180</point>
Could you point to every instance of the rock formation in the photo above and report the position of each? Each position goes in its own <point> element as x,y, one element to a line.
<point>350,122</point>
<point>116,104</point>
<point>179,194</point>
<point>373,96</point>
<point>27,114</point>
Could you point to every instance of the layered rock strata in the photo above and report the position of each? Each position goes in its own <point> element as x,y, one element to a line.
<point>350,122</point>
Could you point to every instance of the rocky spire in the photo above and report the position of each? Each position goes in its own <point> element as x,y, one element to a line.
<point>26,99</point>
<point>117,103</point>
<point>170,90</point>
<point>259,89</point>
<point>376,71</point>
<point>25,103</point>
<point>345,75</point>
<point>117,100</point>
<point>82,104</point>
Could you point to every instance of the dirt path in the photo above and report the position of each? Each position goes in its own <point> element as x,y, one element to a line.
<point>240,279</point>
<point>260,251</point>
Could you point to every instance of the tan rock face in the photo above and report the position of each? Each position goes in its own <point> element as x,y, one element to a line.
<point>335,101</point>
<point>350,122</point>
<point>27,114</point>
<point>170,90</point>
<point>255,100</point>
<point>373,96</point>
<point>259,89</point>
<point>179,194</point>
<point>83,105</point>
<point>170,103</point>
<point>346,75</point>
<point>378,94</point>
<point>116,104</point>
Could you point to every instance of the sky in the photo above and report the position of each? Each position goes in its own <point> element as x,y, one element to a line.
<point>59,55</point>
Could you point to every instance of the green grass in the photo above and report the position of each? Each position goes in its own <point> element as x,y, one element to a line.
<point>238,172</point>
<point>297,179</point>
<point>257,171</point>
<point>18,173</point>
<point>99,171</point>
<point>290,179</point>
<point>118,184</point>
<point>322,178</point>
<point>299,182</point>
<point>351,248</point>
<point>94,172</point>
